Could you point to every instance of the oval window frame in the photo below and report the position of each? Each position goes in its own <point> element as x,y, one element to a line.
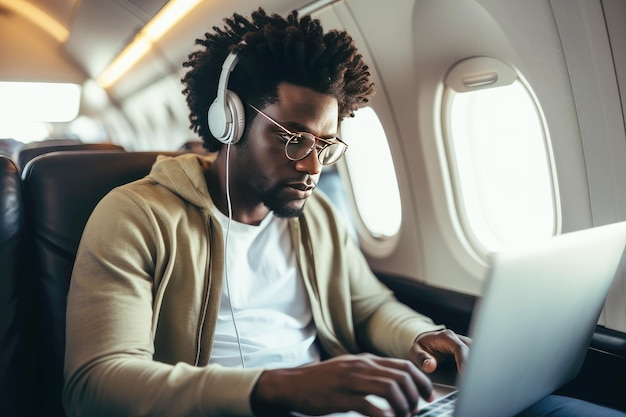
<point>474,74</point>
<point>379,245</point>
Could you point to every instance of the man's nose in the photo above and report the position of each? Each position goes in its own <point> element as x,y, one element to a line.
<point>310,164</point>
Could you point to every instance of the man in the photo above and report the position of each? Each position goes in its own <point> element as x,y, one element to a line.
<point>230,287</point>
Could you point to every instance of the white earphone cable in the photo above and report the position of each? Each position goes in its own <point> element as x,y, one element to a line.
<point>230,218</point>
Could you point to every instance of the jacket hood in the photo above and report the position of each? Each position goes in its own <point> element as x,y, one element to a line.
<point>184,176</point>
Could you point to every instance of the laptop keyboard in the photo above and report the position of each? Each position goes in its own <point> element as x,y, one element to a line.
<point>444,406</point>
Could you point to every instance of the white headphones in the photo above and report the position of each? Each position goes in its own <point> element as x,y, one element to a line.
<point>226,115</point>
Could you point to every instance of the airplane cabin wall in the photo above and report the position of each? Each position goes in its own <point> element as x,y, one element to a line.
<point>593,42</point>
<point>614,314</point>
<point>563,51</point>
<point>424,39</point>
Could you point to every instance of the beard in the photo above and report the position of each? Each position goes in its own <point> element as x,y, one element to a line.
<point>281,208</point>
<point>271,194</point>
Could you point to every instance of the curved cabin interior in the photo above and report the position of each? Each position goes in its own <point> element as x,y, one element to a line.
<point>496,124</point>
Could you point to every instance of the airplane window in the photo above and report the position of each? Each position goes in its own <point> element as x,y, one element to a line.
<point>42,102</point>
<point>372,174</point>
<point>501,164</point>
<point>26,108</point>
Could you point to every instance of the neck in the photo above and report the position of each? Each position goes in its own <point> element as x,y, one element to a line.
<point>243,209</point>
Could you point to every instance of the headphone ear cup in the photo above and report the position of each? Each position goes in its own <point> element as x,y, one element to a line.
<point>227,122</point>
<point>217,121</point>
<point>238,116</point>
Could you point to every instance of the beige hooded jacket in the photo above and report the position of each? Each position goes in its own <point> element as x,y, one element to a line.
<point>146,288</point>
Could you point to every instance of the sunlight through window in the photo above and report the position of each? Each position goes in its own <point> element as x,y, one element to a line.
<point>39,102</point>
<point>501,167</point>
<point>372,174</point>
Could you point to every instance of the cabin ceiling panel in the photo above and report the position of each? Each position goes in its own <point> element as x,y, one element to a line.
<point>28,53</point>
<point>102,29</point>
<point>150,7</point>
<point>61,10</point>
<point>168,54</point>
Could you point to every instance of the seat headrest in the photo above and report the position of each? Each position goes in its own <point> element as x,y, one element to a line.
<point>30,151</point>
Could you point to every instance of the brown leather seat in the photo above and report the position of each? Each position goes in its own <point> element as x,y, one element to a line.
<point>60,191</point>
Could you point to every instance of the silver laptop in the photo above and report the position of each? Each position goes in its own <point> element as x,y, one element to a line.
<point>534,322</point>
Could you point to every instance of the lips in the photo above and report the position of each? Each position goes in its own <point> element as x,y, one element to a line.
<point>301,189</point>
<point>301,186</point>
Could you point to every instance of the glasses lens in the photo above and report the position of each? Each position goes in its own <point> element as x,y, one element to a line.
<point>299,146</point>
<point>331,154</point>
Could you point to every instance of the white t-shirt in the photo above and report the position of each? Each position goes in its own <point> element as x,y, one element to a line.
<point>270,307</point>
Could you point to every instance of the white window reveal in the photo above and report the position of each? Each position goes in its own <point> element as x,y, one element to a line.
<point>372,174</point>
<point>499,155</point>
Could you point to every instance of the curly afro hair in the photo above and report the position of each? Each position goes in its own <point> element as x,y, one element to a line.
<point>293,50</point>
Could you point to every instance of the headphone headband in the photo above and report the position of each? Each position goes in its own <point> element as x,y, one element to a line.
<point>226,116</point>
<point>227,67</point>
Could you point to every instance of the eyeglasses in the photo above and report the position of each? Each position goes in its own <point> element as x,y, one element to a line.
<point>300,144</point>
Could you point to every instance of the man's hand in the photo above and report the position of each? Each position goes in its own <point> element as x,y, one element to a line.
<point>342,384</point>
<point>429,348</point>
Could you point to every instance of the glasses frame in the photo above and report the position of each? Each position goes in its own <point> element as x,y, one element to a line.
<point>292,135</point>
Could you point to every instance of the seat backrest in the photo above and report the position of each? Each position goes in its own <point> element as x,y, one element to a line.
<point>34,149</point>
<point>16,366</point>
<point>61,190</point>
